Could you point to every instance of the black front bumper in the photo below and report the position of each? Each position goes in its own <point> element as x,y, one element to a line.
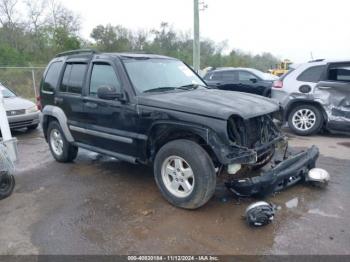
<point>284,174</point>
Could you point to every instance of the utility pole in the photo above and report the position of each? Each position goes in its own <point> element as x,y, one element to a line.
<point>196,37</point>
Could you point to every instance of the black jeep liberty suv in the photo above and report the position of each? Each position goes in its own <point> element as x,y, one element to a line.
<point>151,109</point>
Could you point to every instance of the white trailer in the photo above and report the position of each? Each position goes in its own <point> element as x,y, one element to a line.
<point>8,154</point>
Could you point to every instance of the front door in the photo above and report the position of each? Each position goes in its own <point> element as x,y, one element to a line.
<point>248,83</point>
<point>110,124</point>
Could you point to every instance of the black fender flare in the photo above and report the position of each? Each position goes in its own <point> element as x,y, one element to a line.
<point>155,134</point>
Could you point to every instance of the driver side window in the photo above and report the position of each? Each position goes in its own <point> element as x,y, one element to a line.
<point>245,76</point>
<point>103,75</point>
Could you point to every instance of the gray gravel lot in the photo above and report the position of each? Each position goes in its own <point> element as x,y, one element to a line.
<point>99,205</point>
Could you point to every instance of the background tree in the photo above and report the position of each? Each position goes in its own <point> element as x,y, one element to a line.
<point>48,27</point>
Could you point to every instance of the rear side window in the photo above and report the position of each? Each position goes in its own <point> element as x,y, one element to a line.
<point>312,74</point>
<point>216,76</point>
<point>103,75</point>
<point>52,76</point>
<point>339,73</point>
<point>73,78</point>
<point>229,75</point>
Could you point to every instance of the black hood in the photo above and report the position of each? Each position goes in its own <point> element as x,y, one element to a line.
<point>212,102</point>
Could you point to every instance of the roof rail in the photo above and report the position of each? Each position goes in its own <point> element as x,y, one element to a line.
<point>316,60</point>
<point>75,52</point>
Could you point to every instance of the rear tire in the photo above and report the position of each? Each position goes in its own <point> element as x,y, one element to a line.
<point>305,120</point>
<point>60,148</point>
<point>7,184</point>
<point>185,174</point>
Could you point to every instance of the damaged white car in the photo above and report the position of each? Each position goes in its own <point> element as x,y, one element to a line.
<point>316,96</point>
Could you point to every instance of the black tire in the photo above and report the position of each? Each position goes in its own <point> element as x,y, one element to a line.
<point>203,171</point>
<point>317,126</point>
<point>32,127</point>
<point>7,184</point>
<point>267,92</point>
<point>69,151</point>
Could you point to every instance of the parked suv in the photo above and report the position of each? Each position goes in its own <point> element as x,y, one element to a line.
<point>316,95</point>
<point>246,80</point>
<point>149,109</point>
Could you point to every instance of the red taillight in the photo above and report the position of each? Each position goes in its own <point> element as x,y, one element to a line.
<point>278,84</point>
<point>38,103</point>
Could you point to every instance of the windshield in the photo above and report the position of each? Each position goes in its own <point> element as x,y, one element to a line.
<point>261,75</point>
<point>6,93</point>
<point>160,74</point>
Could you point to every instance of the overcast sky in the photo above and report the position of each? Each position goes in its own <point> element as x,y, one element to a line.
<point>289,29</point>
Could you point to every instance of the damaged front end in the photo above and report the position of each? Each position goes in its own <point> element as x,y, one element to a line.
<point>283,174</point>
<point>262,138</point>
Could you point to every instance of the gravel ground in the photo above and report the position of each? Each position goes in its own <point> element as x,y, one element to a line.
<point>99,205</point>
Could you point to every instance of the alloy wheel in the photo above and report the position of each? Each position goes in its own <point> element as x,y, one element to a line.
<point>304,119</point>
<point>177,176</point>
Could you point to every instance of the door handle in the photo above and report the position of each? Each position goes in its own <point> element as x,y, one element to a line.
<point>58,100</point>
<point>324,87</point>
<point>91,105</point>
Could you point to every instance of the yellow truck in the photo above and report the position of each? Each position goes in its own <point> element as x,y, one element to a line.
<point>281,68</point>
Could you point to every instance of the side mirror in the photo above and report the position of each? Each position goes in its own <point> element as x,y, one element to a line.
<point>108,93</point>
<point>254,80</point>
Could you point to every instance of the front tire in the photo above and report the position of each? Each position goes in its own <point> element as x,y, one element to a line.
<point>60,148</point>
<point>305,120</point>
<point>185,174</point>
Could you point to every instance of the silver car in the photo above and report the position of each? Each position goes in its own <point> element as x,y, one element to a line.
<point>20,112</point>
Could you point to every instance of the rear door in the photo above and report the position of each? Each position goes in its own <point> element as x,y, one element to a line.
<point>213,79</point>
<point>50,81</point>
<point>229,80</point>
<point>224,80</point>
<point>69,95</point>
<point>334,94</point>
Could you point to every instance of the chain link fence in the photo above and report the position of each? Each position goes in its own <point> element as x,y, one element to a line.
<point>24,81</point>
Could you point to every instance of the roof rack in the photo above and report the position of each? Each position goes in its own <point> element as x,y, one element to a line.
<point>75,52</point>
<point>316,60</point>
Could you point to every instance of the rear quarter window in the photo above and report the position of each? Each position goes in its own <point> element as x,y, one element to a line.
<point>50,80</point>
<point>312,74</point>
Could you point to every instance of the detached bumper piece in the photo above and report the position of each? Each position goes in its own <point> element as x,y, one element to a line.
<point>283,175</point>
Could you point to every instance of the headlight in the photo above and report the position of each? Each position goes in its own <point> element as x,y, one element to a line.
<point>32,109</point>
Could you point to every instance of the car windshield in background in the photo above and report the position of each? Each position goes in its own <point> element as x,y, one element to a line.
<point>160,75</point>
<point>6,93</point>
<point>261,75</point>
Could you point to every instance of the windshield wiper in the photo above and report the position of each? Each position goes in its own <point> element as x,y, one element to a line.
<point>160,89</point>
<point>190,87</point>
<point>169,88</point>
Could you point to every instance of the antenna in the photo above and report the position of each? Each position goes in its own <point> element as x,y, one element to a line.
<point>312,56</point>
